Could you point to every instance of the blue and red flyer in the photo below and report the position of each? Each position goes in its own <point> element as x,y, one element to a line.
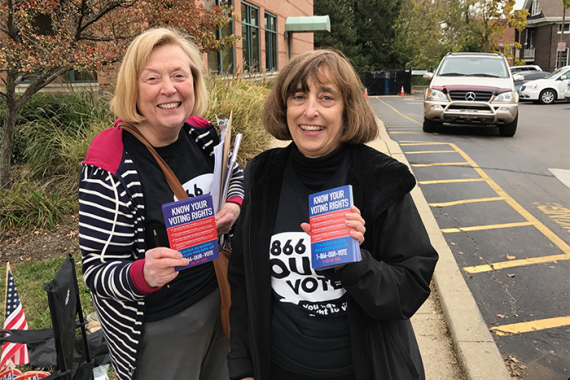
<point>191,229</point>
<point>331,243</point>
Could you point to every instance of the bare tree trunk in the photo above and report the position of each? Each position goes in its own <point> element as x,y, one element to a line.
<point>6,147</point>
<point>13,106</point>
<point>8,128</point>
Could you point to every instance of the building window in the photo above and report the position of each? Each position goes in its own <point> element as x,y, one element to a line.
<point>82,76</point>
<point>535,8</point>
<point>529,36</point>
<point>561,58</point>
<point>270,42</point>
<point>250,37</point>
<point>71,76</point>
<point>566,28</point>
<point>222,62</point>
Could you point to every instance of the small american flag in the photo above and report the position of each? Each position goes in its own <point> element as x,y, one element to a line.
<point>13,354</point>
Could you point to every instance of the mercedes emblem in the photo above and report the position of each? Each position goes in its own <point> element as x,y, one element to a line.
<point>470,96</point>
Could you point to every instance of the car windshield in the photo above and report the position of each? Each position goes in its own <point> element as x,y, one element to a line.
<point>555,73</point>
<point>473,66</point>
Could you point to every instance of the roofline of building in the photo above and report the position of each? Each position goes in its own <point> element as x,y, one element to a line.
<point>546,20</point>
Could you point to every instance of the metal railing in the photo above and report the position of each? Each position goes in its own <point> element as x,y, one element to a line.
<point>528,54</point>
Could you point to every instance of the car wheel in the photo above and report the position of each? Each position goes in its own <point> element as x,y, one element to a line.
<point>547,96</point>
<point>430,126</point>
<point>508,130</point>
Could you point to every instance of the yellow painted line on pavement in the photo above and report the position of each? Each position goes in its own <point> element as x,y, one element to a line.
<point>514,263</point>
<point>429,151</point>
<point>555,239</point>
<point>464,201</point>
<point>422,143</point>
<point>524,327</point>
<point>437,181</point>
<point>399,113</point>
<point>485,227</point>
<point>440,164</point>
<point>525,214</point>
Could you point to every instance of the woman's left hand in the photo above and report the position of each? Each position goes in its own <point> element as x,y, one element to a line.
<point>226,218</point>
<point>353,220</point>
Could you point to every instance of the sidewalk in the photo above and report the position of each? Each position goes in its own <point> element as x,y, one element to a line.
<point>454,340</point>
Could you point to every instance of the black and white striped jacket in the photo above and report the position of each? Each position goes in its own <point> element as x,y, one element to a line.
<point>111,237</point>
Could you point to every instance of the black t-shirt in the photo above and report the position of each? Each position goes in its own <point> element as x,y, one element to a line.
<point>194,169</point>
<point>310,334</point>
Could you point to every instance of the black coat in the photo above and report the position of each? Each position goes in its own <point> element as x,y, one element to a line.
<point>384,290</point>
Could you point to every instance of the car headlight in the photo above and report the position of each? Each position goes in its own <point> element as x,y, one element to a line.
<point>505,97</point>
<point>435,95</point>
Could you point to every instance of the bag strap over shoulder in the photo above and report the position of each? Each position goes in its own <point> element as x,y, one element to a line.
<point>173,182</point>
<point>221,264</point>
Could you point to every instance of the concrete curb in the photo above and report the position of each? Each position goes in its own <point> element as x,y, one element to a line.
<point>475,348</point>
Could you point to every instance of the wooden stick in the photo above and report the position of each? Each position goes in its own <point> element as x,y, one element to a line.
<point>6,290</point>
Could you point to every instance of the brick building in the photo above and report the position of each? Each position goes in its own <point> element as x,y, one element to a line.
<point>545,33</point>
<point>267,42</point>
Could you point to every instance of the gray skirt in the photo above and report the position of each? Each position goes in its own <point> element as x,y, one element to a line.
<point>190,345</point>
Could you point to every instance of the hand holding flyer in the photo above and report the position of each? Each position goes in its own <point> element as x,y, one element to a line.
<point>331,243</point>
<point>191,229</point>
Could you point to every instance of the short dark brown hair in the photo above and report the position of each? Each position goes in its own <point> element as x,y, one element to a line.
<point>359,122</point>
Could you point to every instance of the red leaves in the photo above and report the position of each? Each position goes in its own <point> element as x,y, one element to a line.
<point>97,43</point>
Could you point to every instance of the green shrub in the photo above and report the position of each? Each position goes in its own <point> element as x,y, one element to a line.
<point>54,155</point>
<point>66,112</point>
<point>245,99</point>
<point>25,206</point>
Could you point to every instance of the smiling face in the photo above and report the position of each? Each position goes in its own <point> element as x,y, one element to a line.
<point>315,117</point>
<point>165,94</point>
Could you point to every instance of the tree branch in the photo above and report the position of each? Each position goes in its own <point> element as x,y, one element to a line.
<point>42,81</point>
<point>81,16</point>
<point>12,29</point>
<point>102,12</point>
<point>103,39</point>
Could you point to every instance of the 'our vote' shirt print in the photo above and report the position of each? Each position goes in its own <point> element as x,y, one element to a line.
<point>295,282</point>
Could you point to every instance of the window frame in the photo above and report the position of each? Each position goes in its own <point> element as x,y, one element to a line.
<point>219,55</point>
<point>559,58</point>
<point>247,38</point>
<point>535,8</point>
<point>271,50</point>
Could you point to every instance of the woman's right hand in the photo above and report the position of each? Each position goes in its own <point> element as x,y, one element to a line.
<point>159,266</point>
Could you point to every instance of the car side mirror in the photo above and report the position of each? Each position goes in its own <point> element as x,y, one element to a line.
<point>428,75</point>
<point>518,78</point>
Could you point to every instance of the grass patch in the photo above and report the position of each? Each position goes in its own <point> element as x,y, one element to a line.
<point>26,206</point>
<point>30,278</point>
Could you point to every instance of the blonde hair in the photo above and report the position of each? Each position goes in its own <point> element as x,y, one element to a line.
<point>359,122</point>
<point>124,103</point>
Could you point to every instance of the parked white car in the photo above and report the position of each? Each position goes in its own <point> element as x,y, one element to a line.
<point>516,69</point>
<point>567,93</point>
<point>549,89</point>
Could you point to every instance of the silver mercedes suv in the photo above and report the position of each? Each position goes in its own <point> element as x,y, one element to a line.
<point>472,88</point>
